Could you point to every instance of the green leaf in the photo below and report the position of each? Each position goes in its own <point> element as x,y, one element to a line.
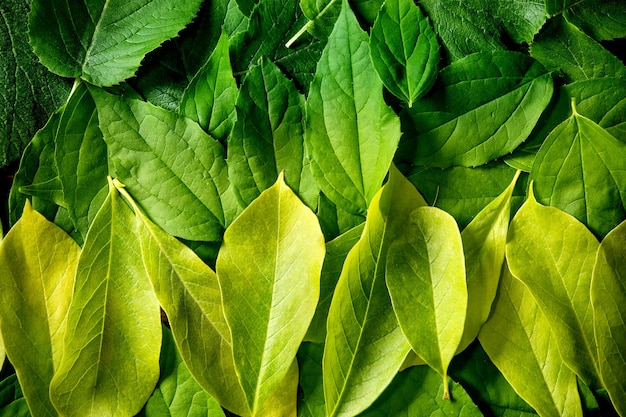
<point>322,15</point>
<point>505,91</point>
<point>351,134</point>
<point>113,323</point>
<point>311,402</point>
<point>210,98</point>
<point>177,392</point>
<point>404,50</point>
<point>426,279</point>
<point>553,254</point>
<point>365,346</point>
<point>268,136</point>
<point>271,257</point>
<point>103,42</point>
<point>28,93</point>
<point>560,45</point>
<point>603,20</point>
<point>484,241</point>
<point>12,402</point>
<point>580,169</point>
<point>37,265</point>
<point>608,297</point>
<point>519,340</point>
<point>174,170</point>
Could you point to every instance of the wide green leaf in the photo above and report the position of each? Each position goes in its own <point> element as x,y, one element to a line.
<point>365,346</point>
<point>37,265</point>
<point>483,107</point>
<point>519,340</point>
<point>351,133</point>
<point>404,50</point>
<point>603,20</point>
<point>608,297</point>
<point>271,258</point>
<point>484,242</point>
<point>173,169</point>
<point>426,280</point>
<point>581,169</point>
<point>110,361</point>
<point>553,254</point>
<point>103,42</point>
<point>268,136</point>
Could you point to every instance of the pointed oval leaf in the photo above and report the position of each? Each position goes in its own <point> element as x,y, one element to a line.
<point>519,341</point>
<point>426,281</point>
<point>37,265</point>
<point>351,133</point>
<point>404,50</point>
<point>365,346</point>
<point>552,253</point>
<point>110,360</point>
<point>608,297</point>
<point>103,42</point>
<point>272,258</point>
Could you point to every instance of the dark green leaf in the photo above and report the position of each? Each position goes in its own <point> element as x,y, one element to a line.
<point>601,19</point>
<point>12,402</point>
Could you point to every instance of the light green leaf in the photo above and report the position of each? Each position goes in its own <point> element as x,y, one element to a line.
<point>484,241</point>
<point>608,297</point>
<point>189,293</point>
<point>560,45</point>
<point>110,360</point>
<point>404,50</point>
<point>519,340</point>
<point>37,265</point>
<point>483,107</point>
<point>581,169</point>
<point>103,42</point>
<point>553,254</point>
<point>173,169</point>
<point>210,98</point>
<point>351,134</point>
<point>272,258</point>
<point>12,402</point>
<point>268,136</point>
<point>426,280</point>
<point>365,346</point>
<point>177,392</point>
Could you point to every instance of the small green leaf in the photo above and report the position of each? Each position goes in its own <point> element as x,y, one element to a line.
<point>404,50</point>
<point>351,133</point>
<point>553,254</point>
<point>12,402</point>
<point>608,297</point>
<point>103,42</point>
<point>426,279</point>
<point>113,323</point>
<point>311,403</point>
<point>37,266</point>
<point>519,340</point>
<point>483,107</point>
<point>271,257</point>
<point>365,346</point>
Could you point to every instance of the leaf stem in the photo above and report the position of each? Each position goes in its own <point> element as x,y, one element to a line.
<point>299,33</point>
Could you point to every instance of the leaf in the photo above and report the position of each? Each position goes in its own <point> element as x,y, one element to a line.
<point>268,136</point>
<point>581,170</point>
<point>560,45</point>
<point>189,293</point>
<point>603,20</point>
<point>426,279</point>
<point>174,170</point>
<point>507,95</point>
<point>553,255</point>
<point>519,340</point>
<point>113,323</point>
<point>177,392</point>
<point>351,134</point>
<point>12,402</point>
<point>29,94</point>
<point>103,42</point>
<point>311,401</point>
<point>404,50</point>
<point>321,15</point>
<point>210,98</point>
<point>608,298</point>
<point>484,241</point>
<point>365,346</point>
<point>271,257</point>
<point>37,265</point>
